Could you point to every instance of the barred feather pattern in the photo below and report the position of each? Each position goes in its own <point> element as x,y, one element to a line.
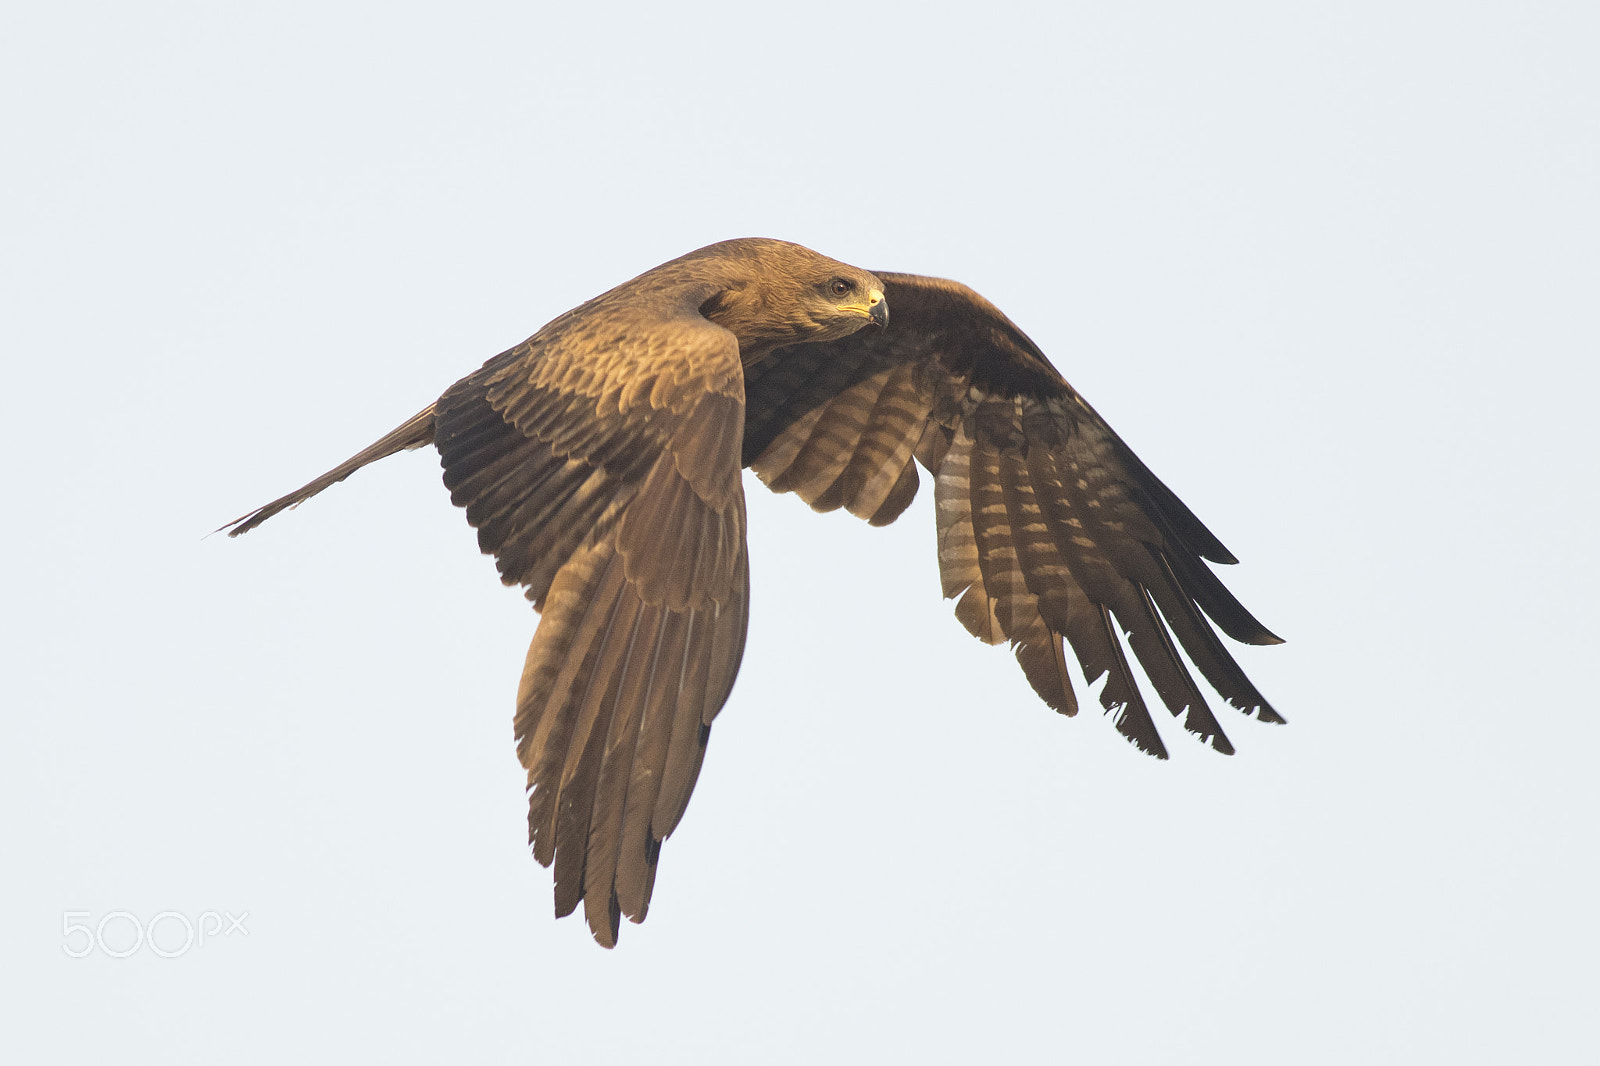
<point>1051,533</point>
<point>1040,539</point>
<point>853,427</point>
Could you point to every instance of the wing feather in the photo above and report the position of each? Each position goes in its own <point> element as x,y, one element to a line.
<point>637,848</point>
<point>1051,532</point>
<point>882,452</point>
<point>624,720</point>
<point>960,566</point>
<point>994,527</point>
<point>1209,654</point>
<point>580,771</point>
<point>611,491</point>
<point>1121,695</point>
<point>689,734</point>
<point>898,499</point>
<point>560,662</point>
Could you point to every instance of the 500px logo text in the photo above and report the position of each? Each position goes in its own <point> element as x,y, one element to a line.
<point>168,934</point>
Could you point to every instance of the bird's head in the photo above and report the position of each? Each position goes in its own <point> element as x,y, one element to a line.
<point>845,299</point>
<point>787,294</point>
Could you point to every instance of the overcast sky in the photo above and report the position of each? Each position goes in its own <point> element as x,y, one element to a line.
<point>1331,270</point>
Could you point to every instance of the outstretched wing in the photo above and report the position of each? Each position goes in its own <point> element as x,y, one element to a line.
<point>604,477</point>
<point>1050,529</point>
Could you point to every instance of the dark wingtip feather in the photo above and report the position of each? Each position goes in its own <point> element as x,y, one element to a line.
<point>1141,734</point>
<point>1261,711</point>
<point>1040,656</point>
<point>1121,696</point>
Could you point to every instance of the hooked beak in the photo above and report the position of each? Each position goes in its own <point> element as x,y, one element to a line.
<point>878,309</point>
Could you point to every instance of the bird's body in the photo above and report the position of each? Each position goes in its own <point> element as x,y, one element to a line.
<point>600,463</point>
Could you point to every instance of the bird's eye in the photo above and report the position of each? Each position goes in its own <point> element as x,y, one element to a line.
<point>841,287</point>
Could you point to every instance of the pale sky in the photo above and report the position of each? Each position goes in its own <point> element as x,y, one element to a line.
<point>1330,270</point>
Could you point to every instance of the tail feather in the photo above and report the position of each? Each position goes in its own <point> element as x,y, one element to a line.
<point>415,432</point>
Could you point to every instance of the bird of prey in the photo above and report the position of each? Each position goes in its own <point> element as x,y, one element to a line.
<point>600,459</point>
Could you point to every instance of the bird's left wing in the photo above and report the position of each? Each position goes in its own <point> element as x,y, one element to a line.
<point>1050,529</point>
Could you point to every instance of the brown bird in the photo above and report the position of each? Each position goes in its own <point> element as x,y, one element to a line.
<point>599,461</point>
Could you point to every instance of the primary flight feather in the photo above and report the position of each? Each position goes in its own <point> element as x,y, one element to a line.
<point>599,462</point>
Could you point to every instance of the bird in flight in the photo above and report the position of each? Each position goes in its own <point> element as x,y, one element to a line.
<point>600,459</point>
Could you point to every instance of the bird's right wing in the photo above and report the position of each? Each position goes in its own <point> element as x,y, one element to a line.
<point>599,463</point>
<point>605,479</point>
<point>1051,532</point>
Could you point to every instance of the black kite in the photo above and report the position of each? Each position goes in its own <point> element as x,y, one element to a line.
<point>600,459</point>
